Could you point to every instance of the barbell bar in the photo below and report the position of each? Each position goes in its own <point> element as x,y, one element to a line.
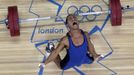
<point>13,20</point>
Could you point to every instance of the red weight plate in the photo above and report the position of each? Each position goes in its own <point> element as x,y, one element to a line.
<point>10,21</point>
<point>119,13</point>
<point>16,21</point>
<point>113,12</point>
<point>13,21</point>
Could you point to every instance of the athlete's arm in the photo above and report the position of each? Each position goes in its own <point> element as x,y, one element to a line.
<point>91,47</point>
<point>56,51</point>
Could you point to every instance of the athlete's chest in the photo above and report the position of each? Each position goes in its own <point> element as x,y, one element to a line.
<point>77,41</point>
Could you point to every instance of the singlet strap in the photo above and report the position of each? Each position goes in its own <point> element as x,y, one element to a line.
<point>67,34</point>
<point>84,35</point>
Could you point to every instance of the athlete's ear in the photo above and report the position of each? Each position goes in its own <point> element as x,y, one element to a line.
<point>67,27</point>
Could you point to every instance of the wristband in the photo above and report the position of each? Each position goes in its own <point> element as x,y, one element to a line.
<point>102,56</point>
<point>41,64</point>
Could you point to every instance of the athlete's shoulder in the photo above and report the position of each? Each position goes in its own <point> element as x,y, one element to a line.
<point>87,35</point>
<point>85,32</point>
<point>64,39</point>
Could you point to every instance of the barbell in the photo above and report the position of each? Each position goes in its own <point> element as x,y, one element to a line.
<point>12,21</point>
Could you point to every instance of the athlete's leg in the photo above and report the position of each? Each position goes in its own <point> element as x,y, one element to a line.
<point>57,61</point>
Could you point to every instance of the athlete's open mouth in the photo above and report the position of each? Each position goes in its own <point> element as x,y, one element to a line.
<point>75,23</point>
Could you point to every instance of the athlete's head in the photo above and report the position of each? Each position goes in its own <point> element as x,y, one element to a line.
<point>72,22</point>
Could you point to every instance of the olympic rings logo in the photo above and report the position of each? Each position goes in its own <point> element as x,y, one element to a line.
<point>84,9</point>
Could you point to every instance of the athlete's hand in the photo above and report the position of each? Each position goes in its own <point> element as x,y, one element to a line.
<point>97,56</point>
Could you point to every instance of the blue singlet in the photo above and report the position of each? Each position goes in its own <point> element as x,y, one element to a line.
<point>76,55</point>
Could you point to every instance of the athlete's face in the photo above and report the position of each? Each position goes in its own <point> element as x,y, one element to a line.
<point>72,22</point>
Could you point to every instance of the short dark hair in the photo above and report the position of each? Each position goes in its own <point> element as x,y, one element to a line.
<point>67,18</point>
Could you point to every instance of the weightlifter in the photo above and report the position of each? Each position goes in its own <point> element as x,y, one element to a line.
<point>77,43</point>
